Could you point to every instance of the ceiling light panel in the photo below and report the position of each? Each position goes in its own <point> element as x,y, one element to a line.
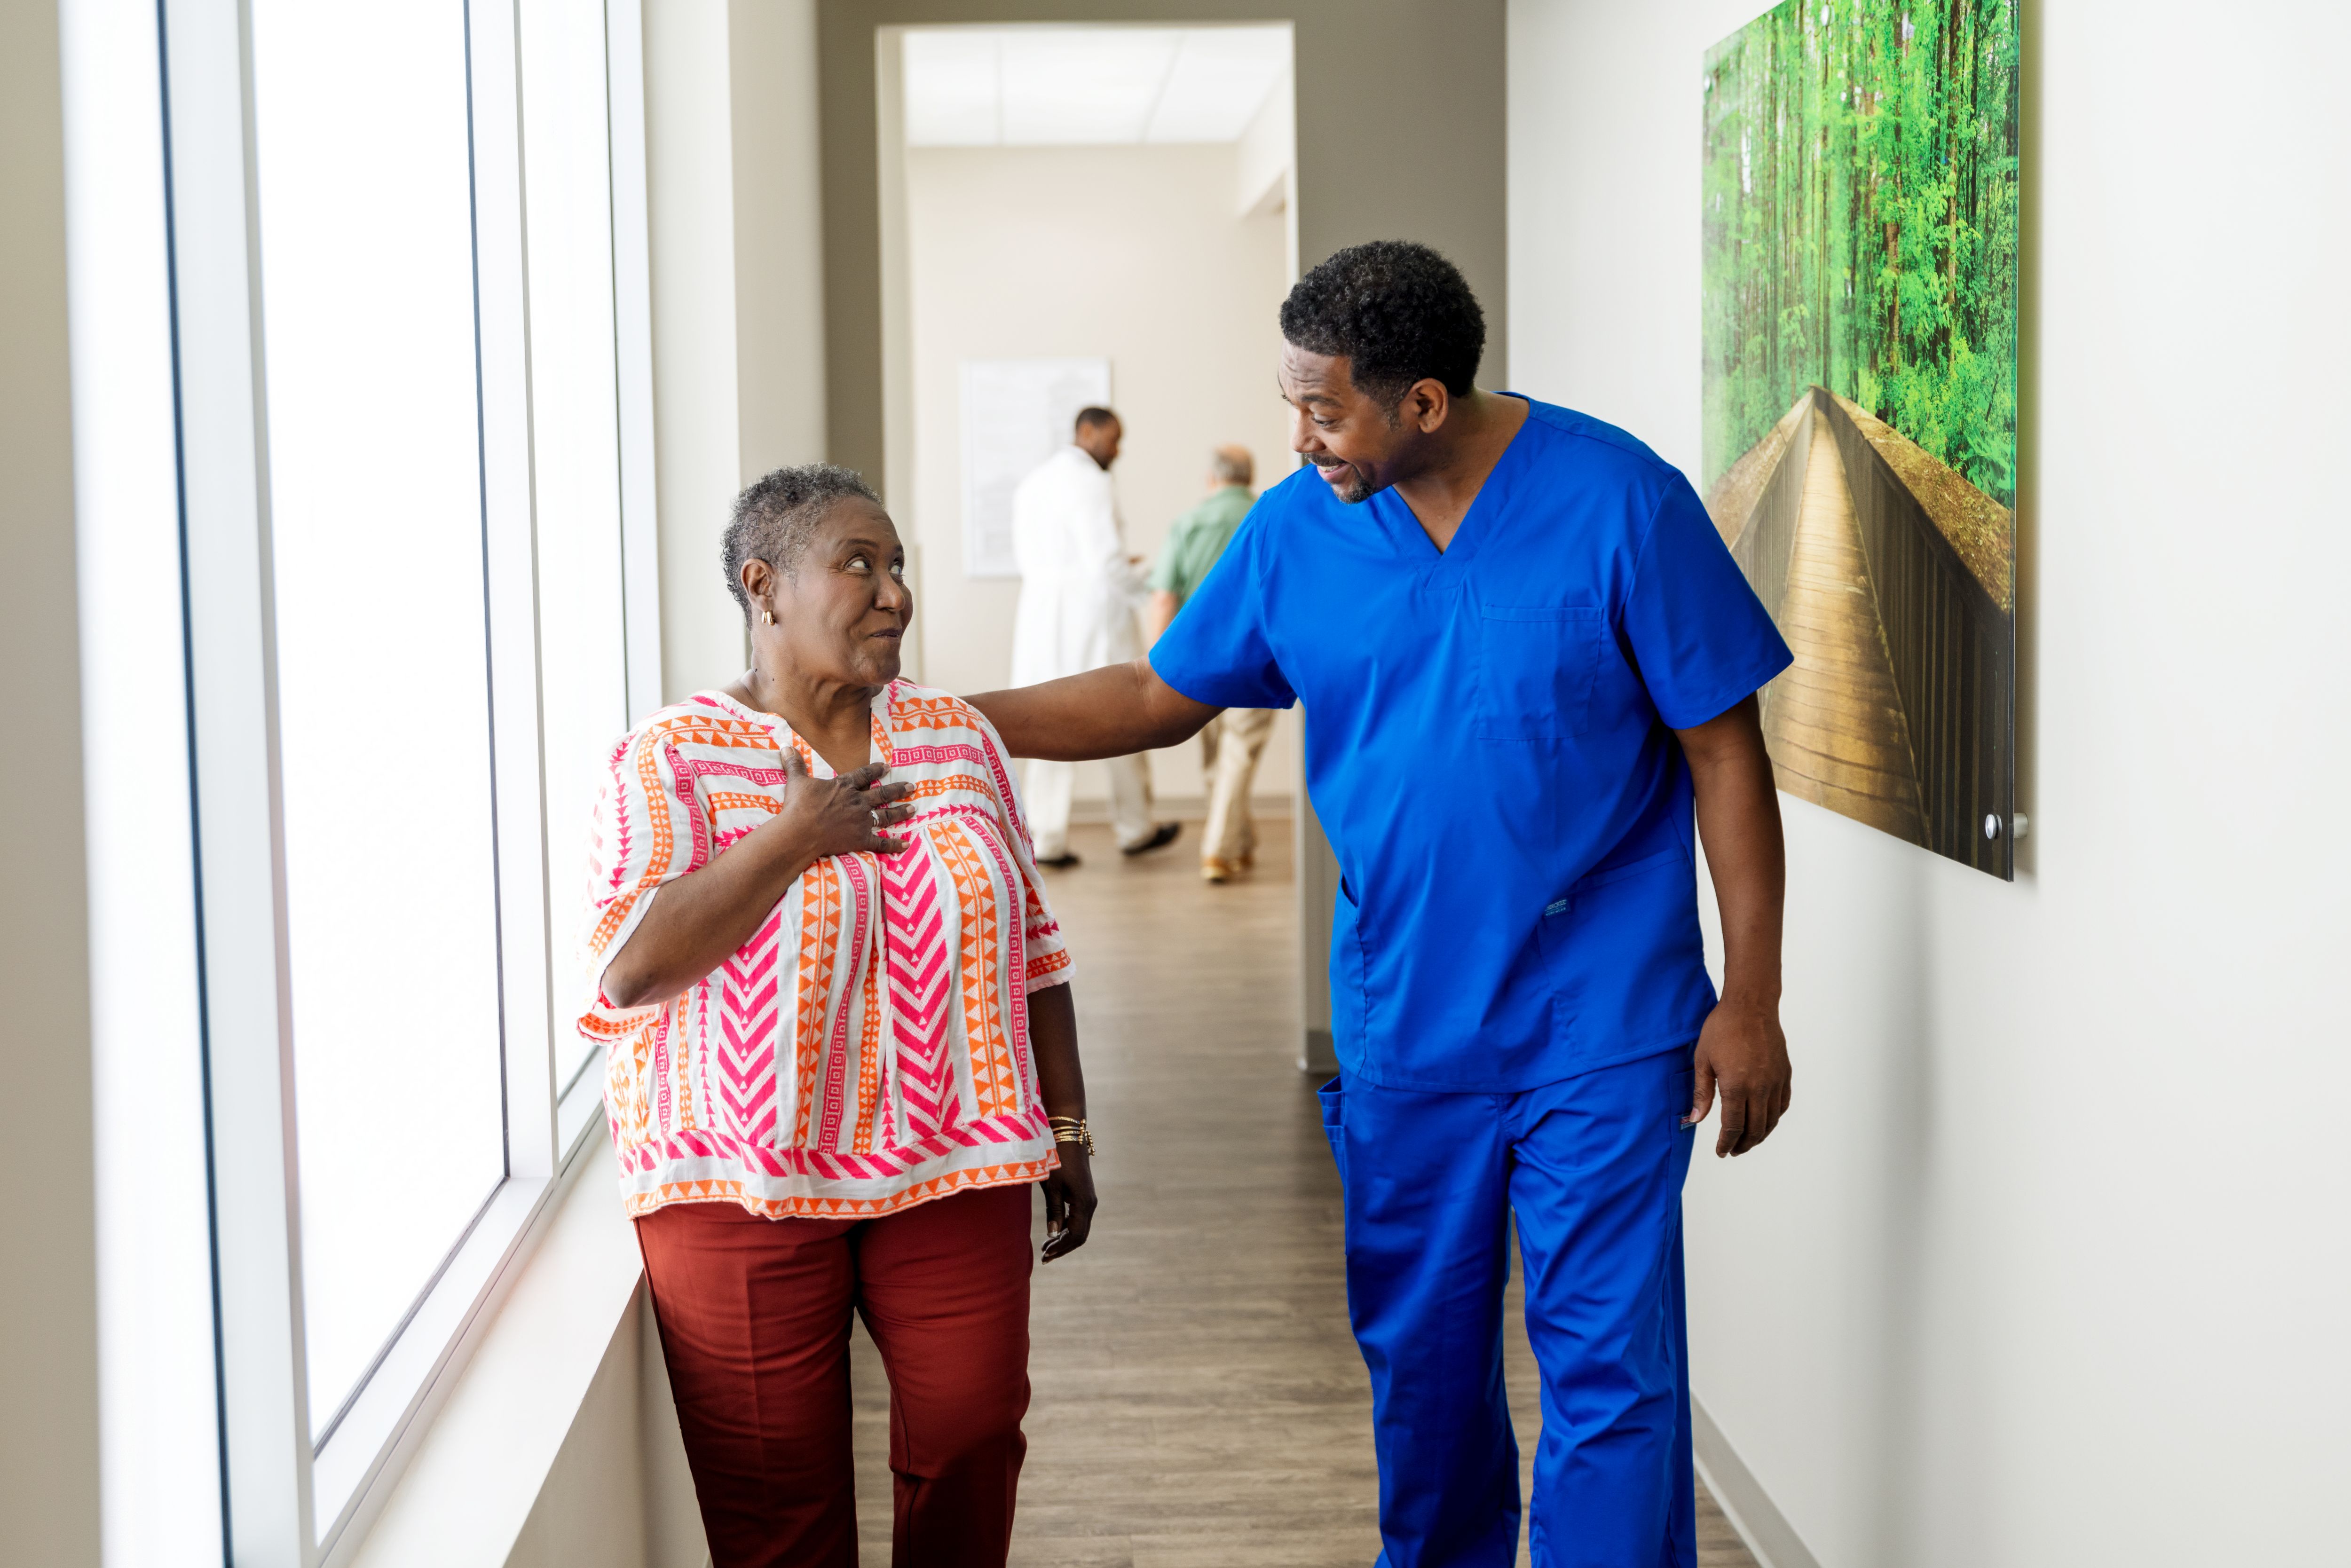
<point>953,96</point>
<point>1222,77</point>
<point>1029,87</point>
<point>1073,87</point>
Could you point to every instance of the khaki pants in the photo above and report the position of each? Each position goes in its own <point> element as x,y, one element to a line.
<point>1229,748</point>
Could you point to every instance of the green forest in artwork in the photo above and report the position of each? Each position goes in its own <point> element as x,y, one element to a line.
<point>1861,225</point>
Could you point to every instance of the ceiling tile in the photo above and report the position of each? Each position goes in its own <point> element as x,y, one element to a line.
<point>1079,85</point>
<point>950,83</point>
<point>1222,78</point>
<point>969,87</point>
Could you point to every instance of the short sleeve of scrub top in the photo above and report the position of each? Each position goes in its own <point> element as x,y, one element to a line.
<point>1216,651</point>
<point>1699,638</point>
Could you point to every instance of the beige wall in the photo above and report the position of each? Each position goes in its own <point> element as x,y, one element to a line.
<point>737,306</point>
<point>1133,254</point>
<point>48,1283</point>
<point>778,234</point>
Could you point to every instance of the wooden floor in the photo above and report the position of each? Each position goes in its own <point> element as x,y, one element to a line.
<point>1834,722</point>
<point>1199,1402</point>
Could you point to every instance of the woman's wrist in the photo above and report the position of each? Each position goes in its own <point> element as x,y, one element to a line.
<point>1070,1131</point>
<point>785,850</point>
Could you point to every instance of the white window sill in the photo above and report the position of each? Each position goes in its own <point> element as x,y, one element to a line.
<point>563,1388</point>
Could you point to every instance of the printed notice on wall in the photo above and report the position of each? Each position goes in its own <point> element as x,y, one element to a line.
<point>1016,413</point>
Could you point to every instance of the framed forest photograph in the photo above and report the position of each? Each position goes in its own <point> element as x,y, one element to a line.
<point>1860,383</point>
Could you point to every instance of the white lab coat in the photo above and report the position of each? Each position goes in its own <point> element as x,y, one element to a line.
<point>1079,592</point>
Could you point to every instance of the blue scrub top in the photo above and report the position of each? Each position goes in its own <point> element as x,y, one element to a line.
<point>1490,750</point>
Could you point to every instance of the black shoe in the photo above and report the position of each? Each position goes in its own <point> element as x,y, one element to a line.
<point>1164,834</point>
<point>1065,861</point>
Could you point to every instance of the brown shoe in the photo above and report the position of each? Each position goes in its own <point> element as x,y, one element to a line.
<point>1215,870</point>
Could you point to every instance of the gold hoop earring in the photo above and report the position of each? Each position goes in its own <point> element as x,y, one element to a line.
<point>769,616</point>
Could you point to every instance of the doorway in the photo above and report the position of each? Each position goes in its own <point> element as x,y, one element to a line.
<point>1075,214</point>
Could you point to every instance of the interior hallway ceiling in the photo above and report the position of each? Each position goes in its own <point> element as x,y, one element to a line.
<point>1199,1402</point>
<point>1097,86</point>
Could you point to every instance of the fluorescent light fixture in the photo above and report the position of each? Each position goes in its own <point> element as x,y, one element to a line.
<point>1222,77</point>
<point>1070,86</point>
<point>953,96</point>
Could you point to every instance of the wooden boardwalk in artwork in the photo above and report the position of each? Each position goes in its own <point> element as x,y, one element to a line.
<point>1834,721</point>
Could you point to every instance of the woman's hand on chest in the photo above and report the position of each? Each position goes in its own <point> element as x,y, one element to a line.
<point>837,816</point>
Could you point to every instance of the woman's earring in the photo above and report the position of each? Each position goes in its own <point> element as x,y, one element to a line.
<point>768,615</point>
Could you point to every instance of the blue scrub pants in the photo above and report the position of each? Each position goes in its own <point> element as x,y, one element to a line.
<point>1591,1169</point>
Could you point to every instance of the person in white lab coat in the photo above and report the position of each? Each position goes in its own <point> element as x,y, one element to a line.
<point>1079,592</point>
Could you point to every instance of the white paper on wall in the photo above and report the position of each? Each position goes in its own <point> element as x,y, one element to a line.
<point>1016,413</point>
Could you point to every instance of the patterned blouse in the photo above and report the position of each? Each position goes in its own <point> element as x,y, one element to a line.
<point>868,1047</point>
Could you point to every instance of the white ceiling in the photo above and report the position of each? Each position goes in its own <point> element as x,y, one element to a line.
<point>1064,87</point>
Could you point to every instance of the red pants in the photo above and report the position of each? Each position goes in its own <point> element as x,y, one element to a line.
<point>754,1324</point>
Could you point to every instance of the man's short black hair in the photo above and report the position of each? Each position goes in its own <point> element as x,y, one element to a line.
<point>776,518</point>
<point>1396,311</point>
<point>1095,415</point>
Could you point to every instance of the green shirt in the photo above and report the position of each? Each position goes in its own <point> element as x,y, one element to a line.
<point>1197,538</point>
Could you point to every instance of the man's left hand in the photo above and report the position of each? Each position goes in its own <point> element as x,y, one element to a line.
<point>1743,1051</point>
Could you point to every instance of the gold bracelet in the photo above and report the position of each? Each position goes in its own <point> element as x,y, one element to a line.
<point>1071,1130</point>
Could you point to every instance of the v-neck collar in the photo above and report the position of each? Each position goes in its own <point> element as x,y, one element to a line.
<point>811,758</point>
<point>1412,541</point>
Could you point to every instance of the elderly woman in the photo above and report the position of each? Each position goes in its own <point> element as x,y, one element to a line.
<point>838,1056</point>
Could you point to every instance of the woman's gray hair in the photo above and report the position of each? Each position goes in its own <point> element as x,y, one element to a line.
<point>777,517</point>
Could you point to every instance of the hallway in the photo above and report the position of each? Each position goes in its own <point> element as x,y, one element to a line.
<point>1199,1402</point>
<point>1834,721</point>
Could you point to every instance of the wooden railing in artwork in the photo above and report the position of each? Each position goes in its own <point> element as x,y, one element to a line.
<point>1939,554</point>
<point>1757,503</point>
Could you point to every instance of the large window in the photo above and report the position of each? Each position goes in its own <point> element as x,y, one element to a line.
<point>376,521</point>
<point>575,390</point>
<point>408,446</point>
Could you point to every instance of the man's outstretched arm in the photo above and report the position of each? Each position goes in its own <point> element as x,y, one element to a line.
<point>1115,711</point>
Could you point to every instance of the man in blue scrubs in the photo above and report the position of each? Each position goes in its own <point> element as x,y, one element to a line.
<point>1530,667</point>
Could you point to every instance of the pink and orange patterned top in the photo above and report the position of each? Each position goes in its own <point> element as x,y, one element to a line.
<point>868,1047</point>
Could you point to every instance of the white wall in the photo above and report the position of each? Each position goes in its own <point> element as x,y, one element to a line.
<point>1136,253</point>
<point>738,292</point>
<point>2049,1264</point>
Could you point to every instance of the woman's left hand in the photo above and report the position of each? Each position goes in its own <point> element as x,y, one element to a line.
<point>1069,1202</point>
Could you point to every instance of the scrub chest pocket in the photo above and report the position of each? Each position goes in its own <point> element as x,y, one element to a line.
<point>1536,668</point>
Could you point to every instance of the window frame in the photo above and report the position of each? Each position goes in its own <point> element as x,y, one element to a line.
<point>291,1503</point>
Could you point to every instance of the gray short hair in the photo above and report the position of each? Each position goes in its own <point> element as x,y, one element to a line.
<point>1232,465</point>
<point>777,517</point>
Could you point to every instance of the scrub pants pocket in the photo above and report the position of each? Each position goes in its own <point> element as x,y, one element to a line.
<point>1334,1124</point>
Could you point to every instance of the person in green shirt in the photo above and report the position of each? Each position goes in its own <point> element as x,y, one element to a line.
<point>1234,739</point>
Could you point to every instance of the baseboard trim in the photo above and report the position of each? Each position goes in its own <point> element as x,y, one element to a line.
<point>1182,808</point>
<point>1750,1509</point>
